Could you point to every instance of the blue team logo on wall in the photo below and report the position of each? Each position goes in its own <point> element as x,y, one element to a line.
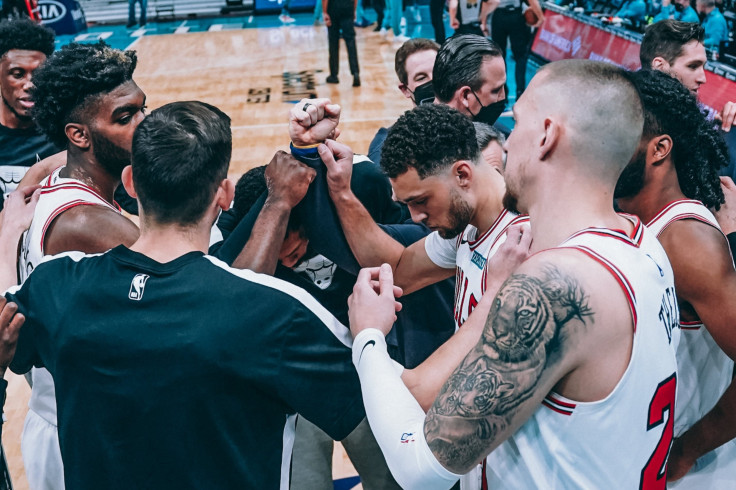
<point>51,11</point>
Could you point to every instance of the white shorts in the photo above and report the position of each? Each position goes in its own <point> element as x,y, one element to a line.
<point>41,454</point>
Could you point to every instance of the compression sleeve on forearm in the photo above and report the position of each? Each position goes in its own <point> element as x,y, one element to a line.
<point>395,417</point>
<point>319,216</point>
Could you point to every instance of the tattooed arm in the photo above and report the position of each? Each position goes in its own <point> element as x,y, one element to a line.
<point>531,341</point>
<point>539,338</point>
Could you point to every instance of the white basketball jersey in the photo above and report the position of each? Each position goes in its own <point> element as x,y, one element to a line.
<point>705,371</point>
<point>469,253</point>
<point>623,440</point>
<point>57,195</point>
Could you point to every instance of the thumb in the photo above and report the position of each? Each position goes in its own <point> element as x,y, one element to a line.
<point>386,281</point>
<point>327,157</point>
<point>35,197</point>
<point>728,183</point>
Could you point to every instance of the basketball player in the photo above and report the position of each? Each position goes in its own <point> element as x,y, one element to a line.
<point>594,302</point>
<point>670,184</point>
<point>24,45</point>
<point>162,380</point>
<point>677,48</point>
<point>87,100</point>
<point>432,158</point>
<point>438,138</point>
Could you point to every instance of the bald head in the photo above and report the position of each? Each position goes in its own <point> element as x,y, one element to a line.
<point>598,107</point>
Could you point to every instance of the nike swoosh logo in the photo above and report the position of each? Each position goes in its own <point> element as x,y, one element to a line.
<point>370,342</point>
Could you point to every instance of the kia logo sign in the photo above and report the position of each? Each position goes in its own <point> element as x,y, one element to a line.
<point>51,11</point>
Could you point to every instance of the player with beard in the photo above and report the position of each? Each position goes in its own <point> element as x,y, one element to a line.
<point>432,158</point>
<point>670,184</point>
<point>576,359</point>
<point>87,102</point>
<point>442,145</point>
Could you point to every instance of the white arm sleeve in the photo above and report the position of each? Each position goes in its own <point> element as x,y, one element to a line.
<point>395,417</point>
<point>441,251</point>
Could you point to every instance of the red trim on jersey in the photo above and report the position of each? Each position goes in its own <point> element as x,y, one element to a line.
<point>634,238</point>
<point>680,217</point>
<point>474,244</point>
<point>694,325</point>
<point>520,219</point>
<point>57,212</point>
<point>564,408</point>
<point>670,206</point>
<point>616,273</point>
<point>81,187</point>
<point>552,398</point>
<point>556,409</point>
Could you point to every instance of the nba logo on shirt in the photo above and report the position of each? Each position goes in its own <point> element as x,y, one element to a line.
<point>137,286</point>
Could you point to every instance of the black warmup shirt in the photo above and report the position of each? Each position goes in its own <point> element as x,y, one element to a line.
<point>20,149</point>
<point>180,375</point>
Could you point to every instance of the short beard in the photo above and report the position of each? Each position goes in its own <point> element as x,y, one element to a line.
<point>510,202</point>
<point>459,213</point>
<point>110,156</point>
<point>631,181</point>
<point>24,119</point>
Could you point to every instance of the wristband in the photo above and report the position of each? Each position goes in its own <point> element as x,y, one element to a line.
<point>304,151</point>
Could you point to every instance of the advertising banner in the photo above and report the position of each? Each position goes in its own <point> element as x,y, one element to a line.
<point>277,5</point>
<point>63,16</point>
<point>564,37</point>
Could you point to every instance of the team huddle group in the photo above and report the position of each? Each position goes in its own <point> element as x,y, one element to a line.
<point>547,310</point>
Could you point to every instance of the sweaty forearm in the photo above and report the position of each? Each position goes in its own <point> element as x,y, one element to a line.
<point>369,243</point>
<point>261,253</point>
<point>395,417</point>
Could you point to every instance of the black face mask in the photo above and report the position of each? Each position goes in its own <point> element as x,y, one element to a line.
<point>490,113</point>
<point>424,93</point>
<point>679,7</point>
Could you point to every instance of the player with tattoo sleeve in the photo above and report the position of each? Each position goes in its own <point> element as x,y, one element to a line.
<point>572,384</point>
<point>670,184</point>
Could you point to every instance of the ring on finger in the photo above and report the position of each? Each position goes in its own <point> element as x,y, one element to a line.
<point>306,104</point>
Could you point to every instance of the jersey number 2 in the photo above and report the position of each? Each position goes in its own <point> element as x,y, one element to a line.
<point>654,474</point>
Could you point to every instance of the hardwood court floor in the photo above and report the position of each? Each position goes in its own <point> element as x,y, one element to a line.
<point>236,70</point>
<point>254,74</point>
